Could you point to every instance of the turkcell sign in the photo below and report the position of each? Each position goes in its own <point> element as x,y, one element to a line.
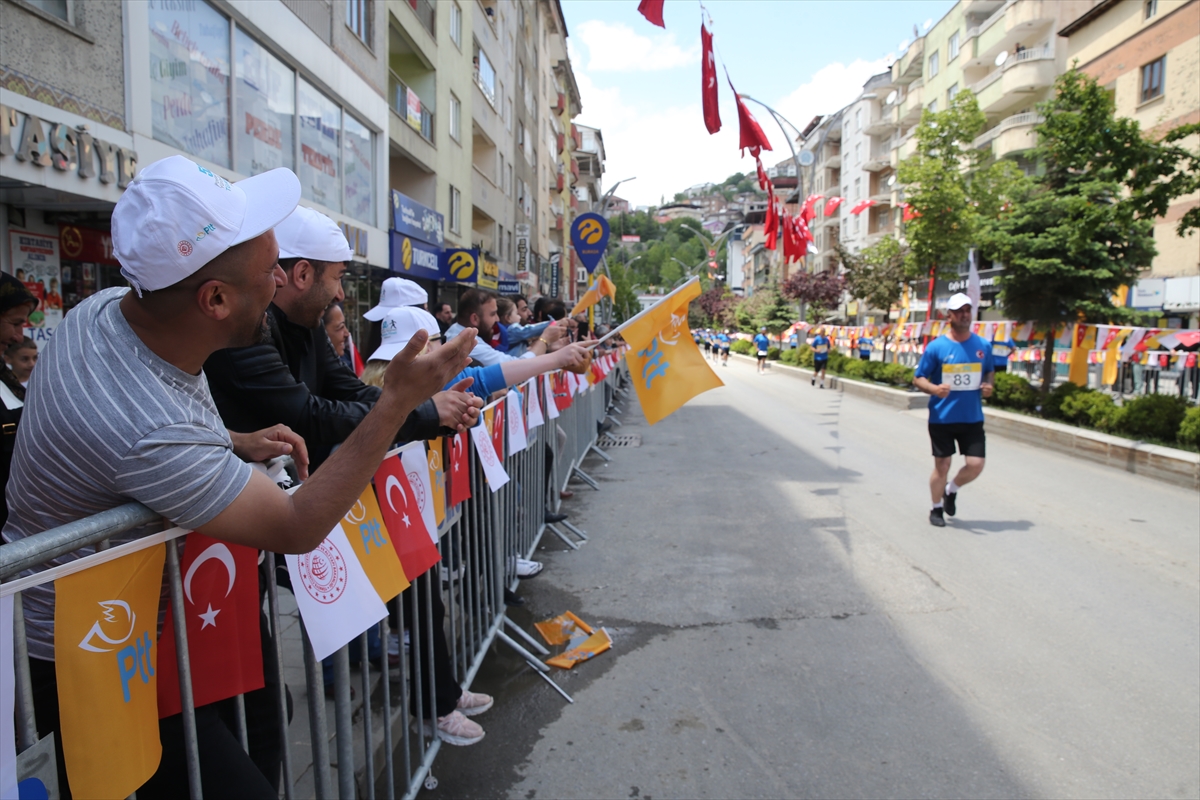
<point>413,258</point>
<point>460,265</point>
<point>416,221</point>
<point>589,237</point>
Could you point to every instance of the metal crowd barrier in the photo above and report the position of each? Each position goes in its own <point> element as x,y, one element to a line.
<point>379,750</point>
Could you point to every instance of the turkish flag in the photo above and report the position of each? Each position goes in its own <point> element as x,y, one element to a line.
<point>861,207</point>
<point>497,430</point>
<point>808,213</point>
<point>460,470</point>
<point>652,10</point>
<point>832,205</point>
<point>708,86</point>
<point>562,391</point>
<point>750,134</point>
<point>414,544</point>
<point>220,597</point>
<point>771,221</point>
<point>763,180</point>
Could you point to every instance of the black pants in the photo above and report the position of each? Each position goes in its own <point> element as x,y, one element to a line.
<point>441,671</point>
<point>226,770</point>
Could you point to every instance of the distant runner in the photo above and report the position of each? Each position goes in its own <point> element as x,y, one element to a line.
<point>706,337</point>
<point>820,346</point>
<point>723,341</point>
<point>762,344</point>
<point>864,347</point>
<point>957,372</point>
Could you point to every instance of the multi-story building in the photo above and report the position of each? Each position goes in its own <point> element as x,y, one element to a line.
<point>90,91</point>
<point>588,191</point>
<point>1148,55</point>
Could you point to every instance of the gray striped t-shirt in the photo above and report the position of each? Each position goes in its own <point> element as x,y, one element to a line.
<point>107,421</point>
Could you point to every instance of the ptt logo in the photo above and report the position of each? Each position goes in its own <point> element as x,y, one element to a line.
<point>461,265</point>
<point>590,231</point>
<point>205,231</point>
<point>132,659</point>
<point>406,253</point>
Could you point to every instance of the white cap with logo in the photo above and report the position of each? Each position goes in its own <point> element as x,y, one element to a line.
<point>312,235</point>
<point>398,327</point>
<point>177,216</point>
<point>397,293</point>
<point>958,301</point>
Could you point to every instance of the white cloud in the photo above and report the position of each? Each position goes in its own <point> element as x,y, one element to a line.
<point>830,88</point>
<point>616,47</point>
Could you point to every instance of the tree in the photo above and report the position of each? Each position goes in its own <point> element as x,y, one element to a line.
<point>715,307</point>
<point>877,275</point>
<point>821,291</point>
<point>773,313</point>
<point>1083,227</point>
<point>947,188</point>
<point>625,305</point>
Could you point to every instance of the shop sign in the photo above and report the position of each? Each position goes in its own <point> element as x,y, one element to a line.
<point>459,265</point>
<point>509,287</point>
<point>555,269</point>
<point>86,244</point>
<point>44,143</point>
<point>420,222</point>
<point>357,238</point>
<point>35,262</point>
<point>1148,293</point>
<point>522,249</point>
<point>415,259</point>
<point>489,274</point>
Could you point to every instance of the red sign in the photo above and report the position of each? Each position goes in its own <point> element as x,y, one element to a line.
<point>86,244</point>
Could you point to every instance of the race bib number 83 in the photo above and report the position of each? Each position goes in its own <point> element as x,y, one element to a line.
<point>963,377</point>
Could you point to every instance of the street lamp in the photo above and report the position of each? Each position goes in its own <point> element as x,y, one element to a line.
<point>609,193</point>
<point>780,120</point>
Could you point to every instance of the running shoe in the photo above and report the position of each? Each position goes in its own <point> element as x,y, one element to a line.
<point>948,502</point>
<point>472,703</point>
<point>936,519</point>
<point>454,728</point>
<point>814,381</point>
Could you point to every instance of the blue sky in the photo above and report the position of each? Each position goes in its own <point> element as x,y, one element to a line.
<point>641,84</point>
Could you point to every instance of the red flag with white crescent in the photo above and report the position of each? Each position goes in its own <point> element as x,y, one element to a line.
<point>220,599</point>
<point>708,85</point>
<point>497,430</point>
<point>832,205</point>
<point>460,470</point>
<point>415,546</point>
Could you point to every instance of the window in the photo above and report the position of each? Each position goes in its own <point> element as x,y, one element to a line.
<point>933,106</point>
<point>1150,8</point>
<point>455,210</point>
<point>320,146</point>
<point>858,153</point>
<point>189,79</point>
<point>485,75</point>
<point>953,90</point>
<point>858,188</point>
<point>265,97</point>
<point>358,19</point>
<point>933,65</point>
<point>508,181</point>
<point>456,25</point>
<point>55,8</point>
<point>358,173</point>
<point>952,47</point>
<point>455,118</point>
<point>858,119</point>
<point>1152,79</point>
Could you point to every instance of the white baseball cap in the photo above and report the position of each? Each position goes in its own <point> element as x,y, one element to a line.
<point>177,216</point>
<point>312,235</point>
<point>398,327</point>
<point>958,301</point>
<point>397,293</point>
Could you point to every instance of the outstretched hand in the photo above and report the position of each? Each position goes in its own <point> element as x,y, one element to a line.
<point>278,440</point>
<point>457,408</point>
<point>412,378</point>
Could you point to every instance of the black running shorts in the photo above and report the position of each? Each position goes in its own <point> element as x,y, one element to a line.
<point>968,435</point>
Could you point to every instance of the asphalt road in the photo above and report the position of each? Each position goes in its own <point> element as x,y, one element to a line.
<point>788,624</point>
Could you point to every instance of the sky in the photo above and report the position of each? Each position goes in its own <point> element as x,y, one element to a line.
<point>640,85</point>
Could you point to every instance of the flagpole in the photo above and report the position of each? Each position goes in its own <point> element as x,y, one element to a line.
<point>644,312</point>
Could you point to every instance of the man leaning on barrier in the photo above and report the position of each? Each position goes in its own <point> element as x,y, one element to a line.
<point>120,411</point>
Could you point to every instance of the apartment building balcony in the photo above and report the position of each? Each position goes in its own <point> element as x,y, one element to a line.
<point>410,127</point>
<point>909,112</point>
<point>557,181</point>
<point>882,124</point>
<point>880,156</point>
<point>1012,135</point>
<point>1017,21</point>
<point>909,67</point>
<point>1030,70</point>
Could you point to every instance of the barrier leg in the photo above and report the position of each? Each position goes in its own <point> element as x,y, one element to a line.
<point>342,713</point>
<point>522,652</point>
<point>191,747</point>
<point>243,736</point>
<point>27,735</point>
<point>277,642</point>
<point>529,639</point>
<point>316,719</point>
<point>583,476</point>
<point>368,734</point>
<point>562,536</point>
<point>386,692</point>
<point>575,530</point>
<point>599,452</point>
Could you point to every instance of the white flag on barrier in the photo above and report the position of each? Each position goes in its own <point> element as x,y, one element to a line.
<point>515,419</point>
<point>534,416</point>
<point>416,467</point>
<point>492,468</point>
<point>336,599</point>
<point>551,405</point>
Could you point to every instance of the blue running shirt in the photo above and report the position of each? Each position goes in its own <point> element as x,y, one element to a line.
<point>963,365</point>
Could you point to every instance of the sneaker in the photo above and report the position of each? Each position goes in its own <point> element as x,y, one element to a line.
<point>529,569</point>
<point>822,384</point>
<point>472,703</point>
<point>814,381</point>
<point>948,502</point>
<point>394,643</point>
<point>454,728</point>
<point>936,519</point>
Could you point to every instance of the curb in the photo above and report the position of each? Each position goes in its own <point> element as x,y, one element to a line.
<point>1166,464</point>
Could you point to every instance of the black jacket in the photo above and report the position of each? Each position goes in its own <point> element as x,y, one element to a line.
<point>298,380</point>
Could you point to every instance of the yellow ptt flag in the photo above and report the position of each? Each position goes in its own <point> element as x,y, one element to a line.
<point>1083,342</point>
<point>369,537</point>
<point>664,362</point>
<point>437,479</point>
<point>602,288</point>
<point>105,636</point>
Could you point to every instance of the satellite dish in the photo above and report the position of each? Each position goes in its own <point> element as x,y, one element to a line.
<point>1001,57</point>
<point>806,158</point>
<point>891,98</point>
<point>891,181</point>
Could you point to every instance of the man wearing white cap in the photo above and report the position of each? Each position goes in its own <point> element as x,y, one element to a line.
<point>119,411</point>
<point>477,309</point>
<point>956,371</point>
<point>294,376</point>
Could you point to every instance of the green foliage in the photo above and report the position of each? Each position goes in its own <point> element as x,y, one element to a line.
<point>852,369</point>
<point>791,357</point>
<point>772,353</point>
<point>742,346</point>
<point>626,303</point>
<point>774,313</point>
<point>1052,405</point>
<point>1189,429</point>
<point>1013,391</point>
<point>1153,416</point>
<point>1091,409</point>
